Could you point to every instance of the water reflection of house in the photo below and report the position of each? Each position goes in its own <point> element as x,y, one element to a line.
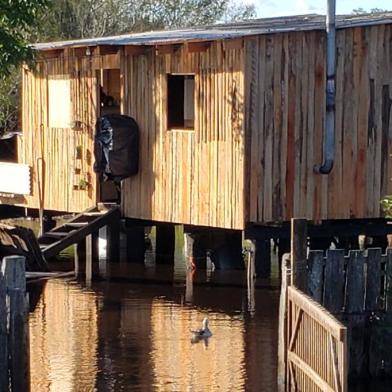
<point>181,366</point>
<point>63,339</point>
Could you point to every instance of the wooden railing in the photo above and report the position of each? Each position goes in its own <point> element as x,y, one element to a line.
<point>316,346</point>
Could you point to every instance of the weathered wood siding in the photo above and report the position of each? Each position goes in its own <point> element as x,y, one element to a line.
<point>191,177</point>
<point>285,103</point>
<point>57,167</point>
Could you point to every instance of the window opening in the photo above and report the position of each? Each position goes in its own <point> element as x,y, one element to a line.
<point>181,101</point>
<point>59,101</point>
<point>109,91</point>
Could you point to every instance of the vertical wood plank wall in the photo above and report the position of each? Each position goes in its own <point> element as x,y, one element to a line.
<point>56,147</point>
<point>285,101</point>
<point>191,177</point>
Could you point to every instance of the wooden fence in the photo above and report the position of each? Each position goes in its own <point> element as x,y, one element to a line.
<point>354,287</point>
<point>14,360</point>
<point>317,345</point>
<point>357,288</point>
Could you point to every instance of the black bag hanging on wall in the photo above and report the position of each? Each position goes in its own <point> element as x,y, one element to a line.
<point>116,147</point>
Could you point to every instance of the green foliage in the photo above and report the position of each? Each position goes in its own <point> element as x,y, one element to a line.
<point>386,204</point>
<point>9,99</point>
<point>17,19</point>
<point>70,19</point>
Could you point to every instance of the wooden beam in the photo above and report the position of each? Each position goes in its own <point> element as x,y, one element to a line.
<point>134,50</point>
<point>167,49</point>
<point>194,47</point>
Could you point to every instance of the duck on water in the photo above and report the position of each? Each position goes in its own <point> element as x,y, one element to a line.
<point>203,333</point>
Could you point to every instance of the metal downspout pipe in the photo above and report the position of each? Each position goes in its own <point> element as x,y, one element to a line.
<point>329,132</point>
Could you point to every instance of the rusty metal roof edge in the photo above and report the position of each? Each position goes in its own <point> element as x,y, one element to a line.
<point>224,31</point>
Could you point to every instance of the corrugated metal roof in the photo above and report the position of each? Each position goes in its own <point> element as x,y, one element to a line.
<point>224,31</point>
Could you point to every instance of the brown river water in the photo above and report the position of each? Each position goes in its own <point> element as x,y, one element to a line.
<point>132,332</point>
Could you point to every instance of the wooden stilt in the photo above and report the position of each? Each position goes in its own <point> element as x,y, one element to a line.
<point>195,251</point>
<point>113,242</point>
<point>165,244</point>
<point>92,257</point>
<point>80,258</point>
<point>136,246</point>
<point>262,258</point>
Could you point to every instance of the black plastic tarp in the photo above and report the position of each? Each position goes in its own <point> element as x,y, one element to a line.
<point>116,147</point>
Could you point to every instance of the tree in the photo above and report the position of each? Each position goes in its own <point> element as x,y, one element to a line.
<point>17,19</point>
<point>71,19</point>
<point>360,11</point>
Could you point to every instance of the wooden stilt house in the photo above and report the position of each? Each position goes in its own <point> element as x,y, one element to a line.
<point>231,122</point>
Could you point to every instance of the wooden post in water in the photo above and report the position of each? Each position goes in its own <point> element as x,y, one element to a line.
<point>18,341</point>
<point>113,242</point>
<point>135,242</point>
<point>165,244</point>
<point>282,331</point>
<point>3,336</point>
<point>92,256</point>
<point>80,258</point>
<point>14,272</point>
<point>195,251</point>
<point>299,272</point>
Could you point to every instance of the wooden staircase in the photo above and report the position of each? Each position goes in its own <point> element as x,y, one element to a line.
<point>78,228</point>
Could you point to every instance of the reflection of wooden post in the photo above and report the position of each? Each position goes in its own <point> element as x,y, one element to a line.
<point>3,336</point>
<point>282,332</point>
<point>299,234</point>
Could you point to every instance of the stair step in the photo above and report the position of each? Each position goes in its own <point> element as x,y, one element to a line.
<point>76,224</point>
<point>94,213</point>
<point>56,234</point>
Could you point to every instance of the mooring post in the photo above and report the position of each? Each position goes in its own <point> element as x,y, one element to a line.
<point>299,235</point>
<point>282,327</point>
<point>3,336</point>
<point>165,244</point>
<point>18,341</point>
<point>14,272</point>
<point>92,256</point>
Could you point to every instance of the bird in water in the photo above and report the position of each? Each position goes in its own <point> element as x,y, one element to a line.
<point>203,333</point>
